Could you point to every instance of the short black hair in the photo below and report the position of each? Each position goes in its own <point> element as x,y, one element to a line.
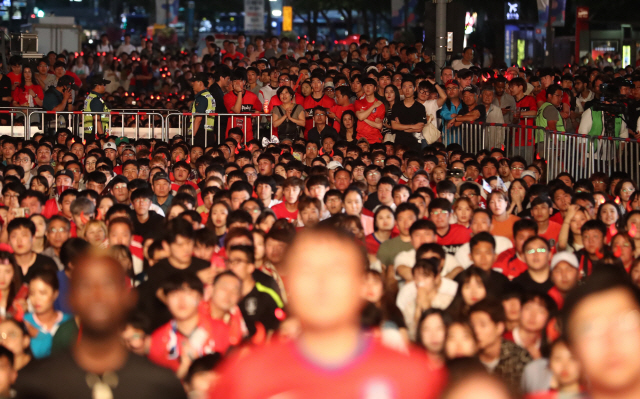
<point>483,236</point>
<point>492,307</point>
<point>178,227</point>
<point>422,224</point>
<point>21,222</point>
<point>440,203</point>
<point>178,281</point>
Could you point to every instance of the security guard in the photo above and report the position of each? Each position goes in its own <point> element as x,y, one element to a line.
<point>203,104</point>
<point>95,103</point>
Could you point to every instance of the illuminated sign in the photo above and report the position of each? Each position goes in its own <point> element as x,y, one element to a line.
<point>287,19</point>
<point>512,11</point>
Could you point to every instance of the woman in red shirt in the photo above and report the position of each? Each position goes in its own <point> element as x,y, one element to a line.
<point>28,93</point>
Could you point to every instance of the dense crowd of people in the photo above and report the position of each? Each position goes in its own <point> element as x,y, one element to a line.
<point>344,251</point>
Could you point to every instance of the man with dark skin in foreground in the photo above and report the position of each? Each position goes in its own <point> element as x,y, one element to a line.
<point>99,364</point>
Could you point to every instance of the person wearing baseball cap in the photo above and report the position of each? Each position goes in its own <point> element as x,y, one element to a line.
<point>202,126</point>
<point>565,275</point>
<point>96,124</point>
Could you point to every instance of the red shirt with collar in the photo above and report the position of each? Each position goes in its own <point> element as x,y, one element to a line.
<point>455,238</point>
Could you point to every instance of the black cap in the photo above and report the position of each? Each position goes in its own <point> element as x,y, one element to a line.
<point>65,172</point>
<point>471,88</point>
<point>622,82</point>
<point>67,80</point>
<point>459,173</point>
<point>546,72</point>
<point>161,176</point>
<point>368,81</point>
<point>200,77</point>
<point>97,81</point>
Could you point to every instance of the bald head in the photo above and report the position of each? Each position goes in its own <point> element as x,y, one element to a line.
<point>99,295</point>
<point>325,278</point>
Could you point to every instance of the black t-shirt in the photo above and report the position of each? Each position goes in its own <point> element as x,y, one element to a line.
<point>266,280</point>
<point>156,277</point>
<point>152,226</point>
<point>408,116</point>
<point>60,377</point>
<point>526,283</point>
<point>480,108</point>
<point>316,137</point>
<point>259,306</point>
<point>41,262</point>
<point>5,90</point>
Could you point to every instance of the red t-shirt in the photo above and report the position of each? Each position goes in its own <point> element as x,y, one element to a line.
<point>526,103</point>
<point>555,294</point>
<point>282,213</point>
<point>309,104</point>
<point>455,238</point>
<point>509,264</point>
<point>552,233</point>
<point>236,56</point>
<point>50,208</point>
<point>339,110</point>
<point>282,370</point>
<point>20,95</point>
<point>250,104</point>
<point>372,134</point>
<point>557,217</point>
<point>14,78</point>
<point>166,342</point>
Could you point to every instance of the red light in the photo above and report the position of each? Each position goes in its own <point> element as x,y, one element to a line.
<point>280,314</point>
<point>82,53</point>
<point>33,16</point>
<point>126,94</point>
<point>335,42</point>
<point>76,54</point>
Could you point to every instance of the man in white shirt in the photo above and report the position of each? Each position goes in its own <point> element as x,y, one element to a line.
<point>126,47</point>
<point>421,232</point>
<point>104,46</point>
<point>466,62</point>
<point>428,290</point>
<point>480,221</point>
<point>495,134</point>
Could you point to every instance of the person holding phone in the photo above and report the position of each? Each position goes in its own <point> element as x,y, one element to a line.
<point>59,99</point>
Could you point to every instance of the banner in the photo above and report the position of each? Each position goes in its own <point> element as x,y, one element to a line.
<point>254,16</point>
<point>558,8</point>
<point>287,19</point>
<point>161,11</point>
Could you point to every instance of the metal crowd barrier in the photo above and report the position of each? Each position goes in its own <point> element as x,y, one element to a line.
<point>471,136</point>
<point>119,123</point>
<point>17,126</point>
<point>581,156</point>
<point>179,123</point>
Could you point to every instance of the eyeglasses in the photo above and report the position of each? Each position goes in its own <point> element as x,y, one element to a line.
<point>517,168</point>
<point>58,230</point>
<point>534,250</point>
<point>469,196</point>
<point>75,170</point>
<point>373,174</point>
<point>23,161</point>
<point>320,114</point>
<point>628,190</point>
<point>120,186</point>
<point>440,212</point>
<point>234,262</point>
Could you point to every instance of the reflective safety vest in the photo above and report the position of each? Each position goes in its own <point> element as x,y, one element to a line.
<point>90,118</point>
<point>542,123</point>
<point>597,129</point>
<point>209,121</point>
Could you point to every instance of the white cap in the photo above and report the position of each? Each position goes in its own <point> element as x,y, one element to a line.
<point>109,145</point>
<point>528,173</point>
<point>334,165</point>
<point>565,256</point>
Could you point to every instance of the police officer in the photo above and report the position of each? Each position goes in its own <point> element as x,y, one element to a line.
<point>95,103</point>
<point>201,126</point>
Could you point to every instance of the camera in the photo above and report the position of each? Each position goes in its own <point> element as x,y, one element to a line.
<point>610,100</point>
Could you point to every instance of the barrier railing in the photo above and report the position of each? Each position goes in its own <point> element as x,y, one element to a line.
<point>17,123</point>
<point>121,124</point>
<point>179,123</point>
<point>471,136</point>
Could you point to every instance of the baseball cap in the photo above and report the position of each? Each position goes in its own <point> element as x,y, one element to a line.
<point>459,173</point>
<point>471,89</point>
<point>528,173</point>
<point>328,85</point>
<point>110,145</point>
<point>334,165</point>
<point>129,147</point>
<point>97,81</point>
<point>452,82</point>
<point>200,77</point>
<point>67,81</point>
<point>161,176</point>
<point>564,256</point>
<point>121,140</point>
<point>65,172</point>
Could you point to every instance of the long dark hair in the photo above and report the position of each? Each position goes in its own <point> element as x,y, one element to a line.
<point>343,130</point>
<point>458,309</point>
<point>397,93</point>
<point>16,281</point>
<point>22,80</point>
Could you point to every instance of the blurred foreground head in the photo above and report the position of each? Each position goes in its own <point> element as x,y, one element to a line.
<point>99,295</point>
<point>325,278</point>
<point>602,328</point>
<point>469,379</point>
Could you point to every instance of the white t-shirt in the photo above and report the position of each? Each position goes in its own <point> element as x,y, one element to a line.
<point>462,256</point>
<point>406,301</point>
<point>431,106</point>
<point>408,258</point>
<point>458,65</point>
